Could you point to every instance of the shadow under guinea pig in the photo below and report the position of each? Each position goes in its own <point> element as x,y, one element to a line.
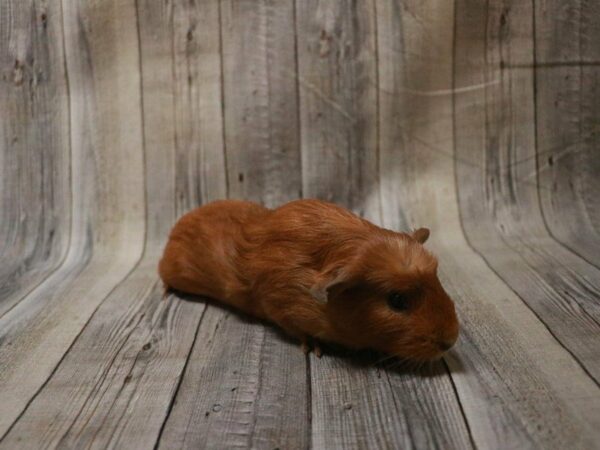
<point>360,359</point>
<point>365,359</point>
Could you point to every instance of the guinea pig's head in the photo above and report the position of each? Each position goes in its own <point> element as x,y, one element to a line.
<point>387,296</point>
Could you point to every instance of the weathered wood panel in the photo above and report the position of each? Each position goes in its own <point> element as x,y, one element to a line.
<point>34,147</point>
<point>337,80</point>
<point>119,378</point>
<point>244,387</point>
<point>495,133</point>
<point>496,365</point>
<point>155,28</point>
<point>475,119</point>
<point>107,201</point>
<point>198,102</point>
<point>358,405</point>
<point>567,67</point>
<point>261,103</point>
<point>116,383</point>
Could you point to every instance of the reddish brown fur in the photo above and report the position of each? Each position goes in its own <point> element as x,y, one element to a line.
<point>278,264</point>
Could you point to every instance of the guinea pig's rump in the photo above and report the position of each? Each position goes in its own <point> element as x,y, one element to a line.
<point>199,257</point>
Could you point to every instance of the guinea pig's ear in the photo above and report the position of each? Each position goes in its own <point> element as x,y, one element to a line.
<point>421,235</point>
<point>327,281</point>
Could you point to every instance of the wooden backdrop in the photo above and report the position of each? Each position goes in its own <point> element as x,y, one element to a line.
<point>479,119</point>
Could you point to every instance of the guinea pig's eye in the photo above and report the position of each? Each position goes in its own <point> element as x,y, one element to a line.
<point>398,301</point>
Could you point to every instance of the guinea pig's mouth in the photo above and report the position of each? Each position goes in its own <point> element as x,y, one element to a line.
<point>424,350</point>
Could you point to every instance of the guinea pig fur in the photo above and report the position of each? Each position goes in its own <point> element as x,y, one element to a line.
<point>318,271</point>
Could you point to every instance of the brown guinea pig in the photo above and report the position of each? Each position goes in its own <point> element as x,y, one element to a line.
<point>318,271</point>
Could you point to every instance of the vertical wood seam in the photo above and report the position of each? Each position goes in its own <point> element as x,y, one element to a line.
<point>298,111</point>
<point>98,382</point>
<point>309,415</point>
<point>399,409</point>
<point>460,222</point>
<point>179,382</point>
<point>143,128</point>
<point>223,105</point>
<point>308,365</point>
<point>460,405</point>
<point>259,387</point>
<point>377,112</point>
<point>174,105</point>
<point>70,126</point>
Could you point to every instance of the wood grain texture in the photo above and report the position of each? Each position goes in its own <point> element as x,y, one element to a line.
<point>34,148</point>
<point>506,359</point>
<point>117,381</point>
<point>337,80</point>
<point>119,378</point>
<point>154,26</point>
<point>475,119</point>
<point>261,109</point>
<point>242,386</point>
<point>358,405</point>
<point>496,187</point>
<point>198,104</point>
<point>132,415</point>
<point>107,228</point>
<point>567,72</point>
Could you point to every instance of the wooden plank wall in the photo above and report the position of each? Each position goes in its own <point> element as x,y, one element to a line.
<point>567,132</point>
<point>35,193</point>
<point>478,120</point>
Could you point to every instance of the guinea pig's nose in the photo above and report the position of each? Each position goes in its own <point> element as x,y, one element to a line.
<point>445,345</point>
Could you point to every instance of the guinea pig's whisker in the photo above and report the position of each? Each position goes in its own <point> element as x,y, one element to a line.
<point>396,364</point>
<point>385,358</point>
<point>405,364</point>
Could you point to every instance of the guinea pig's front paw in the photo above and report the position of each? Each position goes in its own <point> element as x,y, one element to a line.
<point>166,291</point>
<point>309,344</point>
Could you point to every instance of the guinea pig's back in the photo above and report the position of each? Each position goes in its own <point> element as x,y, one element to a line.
<point>199,257</point>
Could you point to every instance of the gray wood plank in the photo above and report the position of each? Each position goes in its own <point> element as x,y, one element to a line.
<point>358,405</point>
<point>245,385</point>
<point>355,407</point>
<point>498,136</point>
<point>107,201</point>
<point>261,104</point>
<point>34,148</point>
<point>198,103</point>
<point>428,401</point>
<point>567,60</point>
<point>337,79</point>
<point>155,39</point>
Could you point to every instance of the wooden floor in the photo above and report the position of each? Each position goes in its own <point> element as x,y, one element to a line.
<point>479,120</point>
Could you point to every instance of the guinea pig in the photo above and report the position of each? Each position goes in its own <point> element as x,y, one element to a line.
<point>319,272</point>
